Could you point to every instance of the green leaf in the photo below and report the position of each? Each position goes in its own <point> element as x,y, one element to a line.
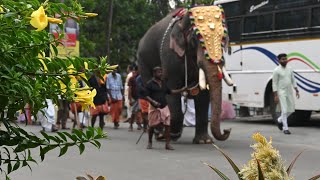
<point>16,165</point>
<point>79,133</point>
<point>55,50</point>
<point>90,132</point>
<point>62,136</point>
<point>72,137</point>
<point>293,162</point>
<point>260,173</point>
<point>315,177</point>
<point>222,176</point>
<point>45,135</point>
<point>81,148</point>
<point>9,168</point>
<point>63,150</point>
<point>22,131</point>
<point>97,143</point>
<point>234,166</point>
<point>45,150</point>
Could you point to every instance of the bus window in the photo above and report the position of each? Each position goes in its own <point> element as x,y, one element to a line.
<point>232,9</point>
<point>291,19</point>
<point>286,4</point>
<point>315,20</point>
<point>258,23</point>
<point>234,28</point>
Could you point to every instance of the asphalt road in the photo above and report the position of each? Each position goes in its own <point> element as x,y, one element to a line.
<point>121,159</point>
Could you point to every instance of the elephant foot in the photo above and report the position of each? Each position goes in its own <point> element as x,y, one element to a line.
<point>175,136</point>
<point>202,139</point>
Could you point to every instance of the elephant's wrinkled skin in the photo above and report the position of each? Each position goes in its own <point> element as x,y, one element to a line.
<point>178,40</point>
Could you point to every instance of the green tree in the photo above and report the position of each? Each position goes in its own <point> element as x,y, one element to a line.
<point>28,77</point>
<point>131,19</point>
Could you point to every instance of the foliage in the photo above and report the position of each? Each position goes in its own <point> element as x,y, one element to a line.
<point>131,19</point>
<point>28,77</point>
<point>266,163</point>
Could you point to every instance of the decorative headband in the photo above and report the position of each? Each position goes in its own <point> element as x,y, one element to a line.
<point>209,24</point>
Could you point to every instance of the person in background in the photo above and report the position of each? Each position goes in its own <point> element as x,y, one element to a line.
<point>100,100</point>
<point>283,82</point>
<point>126,93</point>
<point>159,114</point>
<point>143,102</point>
<point>133,100</point>
<point>115,90</point>
<point>47,117</point>
<point>189,112</point>
<point>63,113</point>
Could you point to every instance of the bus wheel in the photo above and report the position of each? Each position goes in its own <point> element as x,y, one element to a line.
<point>273,106</point>
<point>299,117</point>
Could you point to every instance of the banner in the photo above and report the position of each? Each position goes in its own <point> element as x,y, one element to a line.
<point>70,43</point>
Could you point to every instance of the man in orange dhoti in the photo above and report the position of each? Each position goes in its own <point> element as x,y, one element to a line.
<point>115,91</point>
<point>159,114</point>
<point>143,103</point>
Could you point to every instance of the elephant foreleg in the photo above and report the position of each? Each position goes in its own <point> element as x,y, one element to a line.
<point>174,103</point>
<point>201,106</point>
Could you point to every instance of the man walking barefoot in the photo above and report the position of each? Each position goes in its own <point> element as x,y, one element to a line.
<point>282,83</point>
<point>159,114</point>
<point>115,90</point>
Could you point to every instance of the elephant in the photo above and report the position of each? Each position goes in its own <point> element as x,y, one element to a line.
<point>172,43</point>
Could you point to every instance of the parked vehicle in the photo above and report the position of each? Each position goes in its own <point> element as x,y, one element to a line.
<point>259,30</point>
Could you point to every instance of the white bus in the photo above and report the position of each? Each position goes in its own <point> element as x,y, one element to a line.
<point>259,30</point>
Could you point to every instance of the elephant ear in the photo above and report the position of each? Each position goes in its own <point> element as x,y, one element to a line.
<point>177,41</point>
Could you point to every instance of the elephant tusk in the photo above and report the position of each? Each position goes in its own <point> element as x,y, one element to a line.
<point>202,79</point>
<point>226,77</point>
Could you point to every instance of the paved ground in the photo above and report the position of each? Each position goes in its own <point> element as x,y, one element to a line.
<point>121,159</point>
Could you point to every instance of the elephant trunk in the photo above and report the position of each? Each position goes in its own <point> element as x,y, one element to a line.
<point>215,85</point>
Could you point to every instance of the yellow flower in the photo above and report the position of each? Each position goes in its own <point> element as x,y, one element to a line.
<point>74,82</point>
<point>63,87</point>
<point>1,9</point>
<point>85,97</point>
<point>113,66</point>
<point>41,56</point>
<point>55,20</point>
<point>39,19</point>
<point>91,14</point>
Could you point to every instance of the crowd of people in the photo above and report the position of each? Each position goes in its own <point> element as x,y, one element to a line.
<point>146,104</point>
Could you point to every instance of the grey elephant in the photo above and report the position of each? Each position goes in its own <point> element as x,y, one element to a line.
<point>174,44</point>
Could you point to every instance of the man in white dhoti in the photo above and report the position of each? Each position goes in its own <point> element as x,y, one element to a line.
<point>47,117</point>
<point>189,113</point>
<point>283,82</point>
<point>126,93</point>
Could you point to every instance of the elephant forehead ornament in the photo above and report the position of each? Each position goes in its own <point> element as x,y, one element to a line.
<point>209,24</point>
